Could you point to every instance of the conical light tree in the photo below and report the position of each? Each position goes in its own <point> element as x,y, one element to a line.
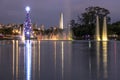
<point>27,24</point>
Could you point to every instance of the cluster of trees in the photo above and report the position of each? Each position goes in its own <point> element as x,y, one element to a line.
<point>86,23</point>
<point>6,31</point>
<point>114,28</point>
<point>51,31</point>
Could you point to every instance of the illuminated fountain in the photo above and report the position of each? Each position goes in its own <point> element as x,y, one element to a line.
<point>55,33</point>
<point>97,29</point>
<point>66,34</point>
<point>104,33</point>
<point>23,36</point>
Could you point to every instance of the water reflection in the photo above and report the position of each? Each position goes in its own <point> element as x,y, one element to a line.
<point>104,45</point>
<point>89,44</point>
<point>13,61</point>
<point>17,58</point>
<point>102,60</point>
<point>34,58</point>
<point>59,60</point>
<point>55,51</point>
<point>115,52</point>
<point>62,50</point>
<point>98,59</point>
<point>39,49</point>
<point>28,59</point>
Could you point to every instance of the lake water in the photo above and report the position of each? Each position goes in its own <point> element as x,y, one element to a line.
<point>59,60</point>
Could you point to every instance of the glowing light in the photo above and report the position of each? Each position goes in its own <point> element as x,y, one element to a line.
<point>28,33</point>
<point>104,34</point>
<point>23,38</point>
<point>105,39</point>
<point>27,8</point>
<point>97,29</point>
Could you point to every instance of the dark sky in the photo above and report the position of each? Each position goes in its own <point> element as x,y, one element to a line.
<point>47,12</point>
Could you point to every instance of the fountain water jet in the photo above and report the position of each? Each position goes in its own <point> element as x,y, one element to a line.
<point>97,29</point>
<point>104,33</point>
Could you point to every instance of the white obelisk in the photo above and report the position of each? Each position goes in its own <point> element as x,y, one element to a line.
<point>61,21</point>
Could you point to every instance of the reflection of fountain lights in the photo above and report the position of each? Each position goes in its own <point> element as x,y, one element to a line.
<point>55,54</point>
<point>90,66</point>
<point>28,59</point>
<point>115,50</point>
<point>105,58</point>
<point>98,58</point>
<point>17,60</point>
<point>39,57</point>
<point>55,51</point>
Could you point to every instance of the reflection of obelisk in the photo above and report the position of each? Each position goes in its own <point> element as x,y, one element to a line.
<point>61,21</point>
<point>104,34</point>
<point>97,29</point>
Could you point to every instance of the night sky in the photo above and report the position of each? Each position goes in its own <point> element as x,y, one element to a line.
<point>47,12</point>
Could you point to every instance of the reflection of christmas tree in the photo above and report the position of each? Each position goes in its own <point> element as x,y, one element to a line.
<point>27,24</point>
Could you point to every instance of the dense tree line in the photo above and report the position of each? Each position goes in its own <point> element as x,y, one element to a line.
<point>84,26</point>
<point>6,31</point>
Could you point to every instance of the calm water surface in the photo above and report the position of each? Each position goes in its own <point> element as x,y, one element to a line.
<point>59,60</point>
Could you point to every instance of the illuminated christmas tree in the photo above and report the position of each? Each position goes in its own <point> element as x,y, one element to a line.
<point>27,24</point>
